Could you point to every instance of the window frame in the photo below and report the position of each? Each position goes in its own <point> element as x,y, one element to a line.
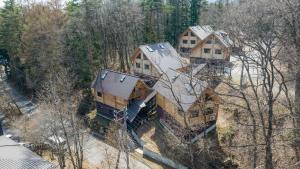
<point>194,114</point>
<point>138,65</point>
<point>147,65</point>
<point>218,50</point>
<point>207,49</point>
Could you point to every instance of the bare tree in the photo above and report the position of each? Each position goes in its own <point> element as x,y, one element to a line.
<point>264,83</point>
<point>62,126</point>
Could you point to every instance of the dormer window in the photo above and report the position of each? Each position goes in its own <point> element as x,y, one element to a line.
<point>104,75</point>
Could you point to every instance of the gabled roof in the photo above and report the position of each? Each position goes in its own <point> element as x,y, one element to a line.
<point>163,56</point>
<point>115,83</point>
<point>175,86</point>
<point>201,31</point>
<point>223,38</point>
<point>15,156</point>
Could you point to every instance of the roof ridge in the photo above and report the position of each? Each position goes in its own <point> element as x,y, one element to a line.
<point>118,72</point>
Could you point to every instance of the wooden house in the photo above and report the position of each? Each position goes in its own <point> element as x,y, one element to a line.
<point>116,92</point>
<point>180,97</point>
<point>153,60</point>
<point>191,37</point>
<point>201,44</point>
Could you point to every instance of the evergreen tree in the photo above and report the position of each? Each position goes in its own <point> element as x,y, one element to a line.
<point>11,27</point>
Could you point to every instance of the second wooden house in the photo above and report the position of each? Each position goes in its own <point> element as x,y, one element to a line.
<point>155,59</point>
<point>185,103</point>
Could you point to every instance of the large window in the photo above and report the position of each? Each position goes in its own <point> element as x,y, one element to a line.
<point>218,51</point>
<point>206,50</point>
<point>137,65</point>
<point>146,66</point>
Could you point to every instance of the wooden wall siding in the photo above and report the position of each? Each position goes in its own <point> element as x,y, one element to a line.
<point>188,38</point>
<point>198,51</point>
<point>172,109</point>
<point>152,71</point>
<point>110,100</point>
<point>141,91</point>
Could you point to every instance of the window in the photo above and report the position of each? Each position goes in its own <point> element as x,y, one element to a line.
<point>184,41</point>
<point>145,58</point>
<point>193,41</point>
<point>146,66</point>
<point>208,97</point>
<point>186,34</point>
<point>208,111</point>
<point>185,50</point>
<point>99,94</point>
<point>218,51</point>
<point>137,65</point>
<point>194,114</point>
<point>206,50</point>
<point>209,42</point>
<point>138,56</point>
<point>192,34</point>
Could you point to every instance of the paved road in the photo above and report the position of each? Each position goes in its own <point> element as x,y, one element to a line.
<point>99,154</point>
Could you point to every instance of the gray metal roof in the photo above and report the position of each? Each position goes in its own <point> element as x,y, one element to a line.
<point>15,156</point>
<point>202,31</point>
<point>163,56</point>
<point>113,85</point>
<point>179,83</point>
<point>224,38</point>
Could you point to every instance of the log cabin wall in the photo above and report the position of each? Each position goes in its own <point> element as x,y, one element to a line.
<point>170,108</point>
<point>195,115</point>
<point>210,48</point>
<point>142,65</point>
<point>110,100</point>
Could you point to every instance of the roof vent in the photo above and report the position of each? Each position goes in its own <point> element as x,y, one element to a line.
<point>122,78</point>
<point>161,46</point>
<point>150,49</point>
<point>104,74</point>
